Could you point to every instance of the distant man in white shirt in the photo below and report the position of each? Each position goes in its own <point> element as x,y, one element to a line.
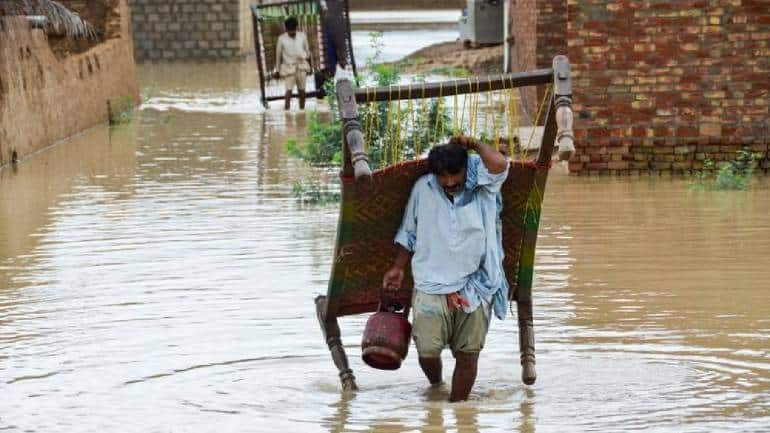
<point>292,61</point>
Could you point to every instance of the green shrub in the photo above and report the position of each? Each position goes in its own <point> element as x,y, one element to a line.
<point>324,142</point>
<point>310,191</point>
<point>450,71</point>
<point>323,146</point>
<point>730,175</point>
<point>120,110</point>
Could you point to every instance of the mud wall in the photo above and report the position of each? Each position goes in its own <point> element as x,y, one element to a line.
<point>45,98</point>
<point>659,86</point>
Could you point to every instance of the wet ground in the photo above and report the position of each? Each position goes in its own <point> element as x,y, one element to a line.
<point>402,32</point>
<point>159,276</point>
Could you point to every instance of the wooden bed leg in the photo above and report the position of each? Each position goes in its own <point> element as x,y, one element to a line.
<point>526,341</point>
<point>331,332</point>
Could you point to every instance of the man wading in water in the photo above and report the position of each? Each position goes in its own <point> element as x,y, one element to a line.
<point>292,61</point>
<point>451,231</point>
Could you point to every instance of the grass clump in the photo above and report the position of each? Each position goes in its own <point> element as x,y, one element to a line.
<point>451,71</point>
<point>732,175</point>
<point>120,111</point>
<point>313,192</point>
<point>323,146</point>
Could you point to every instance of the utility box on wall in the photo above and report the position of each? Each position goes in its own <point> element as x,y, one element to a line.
<point>482,23</point>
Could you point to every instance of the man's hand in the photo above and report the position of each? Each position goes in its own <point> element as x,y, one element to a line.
<point>393,278</point>
<point>461,140</point>
<point>454,301</point>
<point>503,147</point>
<point>493,160</point>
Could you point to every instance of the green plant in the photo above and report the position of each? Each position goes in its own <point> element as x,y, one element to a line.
<point>149,91</point>
<point>729,175</point>
<point>323,143</point>
<point>450,71</point>
<point>388,124</point>
<point>310,191</point>
<point>418,60</point>
<point>377,46</point>
<point>120,110</point>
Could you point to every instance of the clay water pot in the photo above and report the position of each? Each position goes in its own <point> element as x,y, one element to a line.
<point>386,337</point>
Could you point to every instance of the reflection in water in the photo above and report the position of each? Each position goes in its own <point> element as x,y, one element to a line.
<point>527,408</point>
<point>434,419</point>
<point>465,417</point>
<point>160,276</point>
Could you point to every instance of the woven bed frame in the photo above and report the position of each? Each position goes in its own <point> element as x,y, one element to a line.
<point>373,204</point>
<point>316,18</point>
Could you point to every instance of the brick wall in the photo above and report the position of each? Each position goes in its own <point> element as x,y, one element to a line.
<point>662,85</point>
<point>167,30</point>
<point>406,4</point>
<point>539,31</point>
<point>522,27</point>
<point>190,29</point>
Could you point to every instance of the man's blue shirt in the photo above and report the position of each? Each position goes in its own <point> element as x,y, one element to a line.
<point>457,245</point>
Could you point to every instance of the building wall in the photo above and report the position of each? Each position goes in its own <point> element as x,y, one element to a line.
<point>247,28</point>
<point>662,85</point>
<point>522,28</point>
<point>47,96</point>
<point>167,30</point>
<point>406,4</point>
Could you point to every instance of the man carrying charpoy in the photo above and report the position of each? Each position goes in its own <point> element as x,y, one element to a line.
<point>451,231</point>
<point>292,61</point>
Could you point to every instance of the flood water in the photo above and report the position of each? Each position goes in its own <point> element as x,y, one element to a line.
<point>159,277</point>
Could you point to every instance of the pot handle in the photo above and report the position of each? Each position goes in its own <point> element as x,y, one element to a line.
<point>386,301</point>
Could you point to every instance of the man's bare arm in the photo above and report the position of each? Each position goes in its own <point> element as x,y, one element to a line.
<point>402,256</point>
<point>493,160</point>
<point>394,277</point>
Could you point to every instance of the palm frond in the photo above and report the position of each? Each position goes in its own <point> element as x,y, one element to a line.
<point>61,21</point>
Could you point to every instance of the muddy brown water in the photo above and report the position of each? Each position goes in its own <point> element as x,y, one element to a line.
<point>159,277</point>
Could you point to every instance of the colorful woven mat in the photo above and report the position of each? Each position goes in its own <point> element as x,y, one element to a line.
<point>368,224</point>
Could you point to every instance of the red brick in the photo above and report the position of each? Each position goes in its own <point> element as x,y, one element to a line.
<point>686,131</point>
<point>698,77</point>
<point>618,165</point>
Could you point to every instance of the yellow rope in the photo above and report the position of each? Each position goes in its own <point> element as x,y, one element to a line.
<point>424,120</point>
<point>496,125</point>
<point>509,119</point>
<point>469,97</point>
<point>486,107</point>
<point>378,129</point>
<point>440,115</point>
<point>367,128</point>
<point>388,123</point>
<point>474,109</point>
<point>462,110</point>
<point>537,120</point>
<point>455,114</point>
<point>438,111</point>
<point>368,123</point>
<point>410,109</point>
<point>401,133</point>
<point>397,147</point>
<point>516,117</point>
